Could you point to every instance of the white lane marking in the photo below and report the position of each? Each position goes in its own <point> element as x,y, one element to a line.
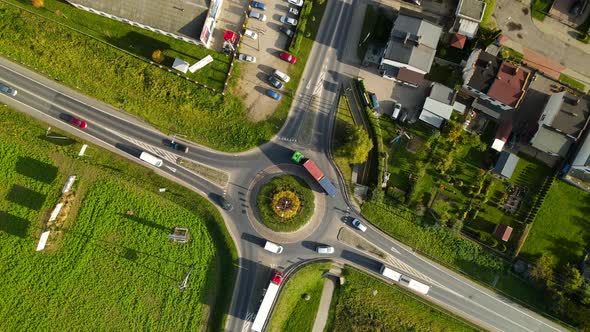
<point>171,168</point>
<point>395,250</point>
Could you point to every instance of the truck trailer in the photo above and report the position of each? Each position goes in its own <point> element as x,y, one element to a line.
<point>267,302</point>
<point>315,172</point>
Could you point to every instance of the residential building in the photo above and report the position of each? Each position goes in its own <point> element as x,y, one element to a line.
<point>468,16</point>
<point>503,232</point>
<point>438,106</point>
<point>410,50</point>
<point>579,171</point>
<point>498,85</point>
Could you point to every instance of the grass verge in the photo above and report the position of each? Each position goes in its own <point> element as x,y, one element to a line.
<point>292,311</point>
<point>540,9</point>
<point>265,201</point>
<point>572,82</point>
<point>344,121</point>
<point>487,21</point>
<point>110,263</point>
<point>364,303</point>
<point>167,102</point>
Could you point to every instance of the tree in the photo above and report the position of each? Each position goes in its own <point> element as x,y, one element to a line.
<point>357,148</point>
<point>158,56</point>
<point>454,131</point>
<point>573,279</point>
<point>585,294</point>
<point>456,225</point>
<point>542,271</point>
<point>38,3</point>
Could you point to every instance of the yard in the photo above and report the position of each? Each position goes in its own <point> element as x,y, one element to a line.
<point>364,303</point>
<point>108,263</point>
<point>561,228</point>
<point>292,311</point>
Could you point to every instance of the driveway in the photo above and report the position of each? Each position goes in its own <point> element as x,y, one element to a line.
<point>514,18</point>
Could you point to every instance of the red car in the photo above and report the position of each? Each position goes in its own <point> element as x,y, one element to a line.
<point>73,120</point>
<point>288,57</point>
<point>277,278</point>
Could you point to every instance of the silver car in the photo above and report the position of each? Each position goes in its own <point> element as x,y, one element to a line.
<point>7,90</point>
<point>325,250</point>
<point>258,16</point>
<point>288,20</point>
<point>246,58</point>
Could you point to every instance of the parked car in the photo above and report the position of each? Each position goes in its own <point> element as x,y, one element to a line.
<point>288,20</point>
<point>258,16</point>
<point>293,11</point>
<point>297,3</point>
<point>7,90</point>
<point>73,120</point>
<point>175,145</point>
<point>258,5</point>
<point>273,94</point>
<point>282,76</point>
<point>251,34</point>
<point>274,82</point>
<point>397,108</point>
<point>246,57</point>
<point>287,31</point>
<point>325,250</point>
<point>288,57</point>
<point>358,225</point>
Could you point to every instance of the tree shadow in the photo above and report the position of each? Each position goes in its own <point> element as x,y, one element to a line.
<point>26,197</point>
<point>36,169</point>
<point>138,44</point>
<point>13,225</point>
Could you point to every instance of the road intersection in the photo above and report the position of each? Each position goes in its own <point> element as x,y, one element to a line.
<point>308,129</point>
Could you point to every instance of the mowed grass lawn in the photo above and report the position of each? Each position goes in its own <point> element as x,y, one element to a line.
<point>169,103</point>
<point>110,266</point>
<point>356,307</point>
<point>140,42</point>
<point>292,311</point>
<point>562,226</point>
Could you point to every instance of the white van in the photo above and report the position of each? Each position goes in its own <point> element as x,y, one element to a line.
<point>153,160</point>
<point>282,76</point>
<point>273,247</point>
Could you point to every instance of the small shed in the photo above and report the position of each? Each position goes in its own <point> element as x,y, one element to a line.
<point>180,65</point>
<point>503,232</point>
<point>458,41</point>
<point>506,164</point>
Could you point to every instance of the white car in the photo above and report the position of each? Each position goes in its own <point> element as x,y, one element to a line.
<point>298,3</point>
<point>251,34</point>
<point>358,225</point>
<point>288,20</point>
<point>258,16</point>
<point>325,250</point>
<point>246,57</point>
<point>293,11</point>
<point>282,76</point>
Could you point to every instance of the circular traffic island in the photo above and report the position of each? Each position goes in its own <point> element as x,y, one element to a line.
<point>285,203</point>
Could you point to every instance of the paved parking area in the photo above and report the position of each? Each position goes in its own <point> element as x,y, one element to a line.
<point>252,84</point>
<point>388,92</point>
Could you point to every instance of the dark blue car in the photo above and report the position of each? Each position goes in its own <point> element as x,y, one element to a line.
<point>273,94</point>
<point>274,82</point>
<point>258,5</point>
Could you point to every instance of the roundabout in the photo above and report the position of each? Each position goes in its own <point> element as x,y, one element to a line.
<point>287,204</point>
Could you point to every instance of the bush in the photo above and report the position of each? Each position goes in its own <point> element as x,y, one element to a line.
<point>296,42</point>
<point>271,193</point>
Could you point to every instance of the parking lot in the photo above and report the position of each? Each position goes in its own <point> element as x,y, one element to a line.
<point>253,81</point>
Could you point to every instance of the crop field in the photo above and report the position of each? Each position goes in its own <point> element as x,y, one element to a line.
<point>367,304</point>
<point>292,311</point>
<point>110,264</point>
<point>167,102</point>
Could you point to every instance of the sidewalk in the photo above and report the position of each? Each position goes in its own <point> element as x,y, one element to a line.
<point>321,317</point>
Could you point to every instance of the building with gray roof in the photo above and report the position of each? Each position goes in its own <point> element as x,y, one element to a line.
<point>468,16</point>
<point>506,164</point>
<point>412,46</point>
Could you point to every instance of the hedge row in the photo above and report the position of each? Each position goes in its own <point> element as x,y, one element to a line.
<point>300,31</point>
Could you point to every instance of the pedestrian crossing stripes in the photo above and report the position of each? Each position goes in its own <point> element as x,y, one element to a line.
<point>287,139</point>
<point>169,156</point>
<point>403,267</point>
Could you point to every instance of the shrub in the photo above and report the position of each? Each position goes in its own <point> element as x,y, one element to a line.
<point>158,56</point>
<point>38,3</point>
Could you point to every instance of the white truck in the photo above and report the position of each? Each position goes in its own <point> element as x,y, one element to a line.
<point>151,159</point>
<point>390,274</point>
<point>267,302</point>
<point>402,280</point>
<point>273,247</point>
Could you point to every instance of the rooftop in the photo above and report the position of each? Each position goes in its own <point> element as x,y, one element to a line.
<point>484,72</point>
<point>442,93</point>
<point>508,86</point>
<point>582,158</point>
<point>503,232</point>
<point>472,8</point>
<point>458,41</point>
<point>413,41</point>
<point>184,17</point>
<point>506,164</point>
<point>552,142</point>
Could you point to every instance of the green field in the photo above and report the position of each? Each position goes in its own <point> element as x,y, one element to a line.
<point>170,103</point>
<point>562,227</point>
<point>292,312</point>
<point>357,307</point>
<point>108,263</point>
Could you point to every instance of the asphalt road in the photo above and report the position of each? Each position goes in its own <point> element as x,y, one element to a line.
<point>308,128</point>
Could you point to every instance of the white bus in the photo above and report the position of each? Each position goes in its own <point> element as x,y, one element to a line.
<point>390,274</point>
<point>150,159</point>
